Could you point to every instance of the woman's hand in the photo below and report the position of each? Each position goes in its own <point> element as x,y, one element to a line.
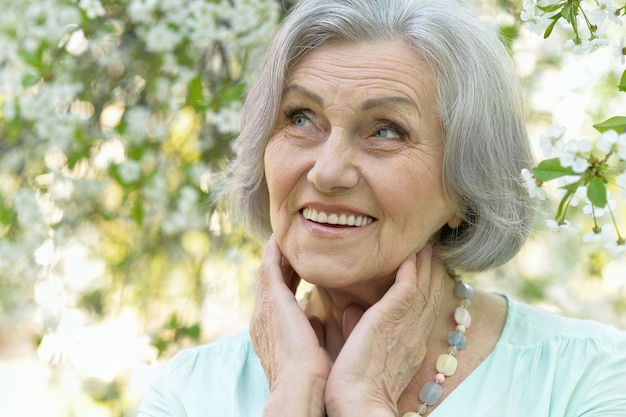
<point>289,345</point>
<point>387,343</point>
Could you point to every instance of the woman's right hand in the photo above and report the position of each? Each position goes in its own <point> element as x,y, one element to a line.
<point>289,345</point>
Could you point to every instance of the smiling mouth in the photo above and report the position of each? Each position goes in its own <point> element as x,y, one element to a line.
<point>335,219</point>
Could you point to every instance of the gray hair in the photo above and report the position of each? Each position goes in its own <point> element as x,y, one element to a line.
<point>480,107</point>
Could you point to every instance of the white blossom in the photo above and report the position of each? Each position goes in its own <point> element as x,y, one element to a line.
<point>534,19</point>
<point>129,171</point>
<point>551,143</point>
<point>564,226</point>
<point>605,234</point>
<point>611,141</point>
<point>585,45</point>
<point>27,209</point>
<point>187,200</point>
<point>226,120</point>
<point>45,254</point>
<point>531,184</point>
<point>202,23</point>
<point>605,9</point>
<point>62,189</point>
<point>142,11</point>
<point>597,212</point>
<point>93,8</point>
<point>576,154</point>
<point>615,249</point>
<point>160,37</point>
<point>137,119</point>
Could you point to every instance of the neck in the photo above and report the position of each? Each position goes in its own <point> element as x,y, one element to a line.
<point>329,304</point>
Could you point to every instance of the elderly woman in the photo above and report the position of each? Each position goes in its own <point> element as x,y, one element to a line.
<point>380,151</point>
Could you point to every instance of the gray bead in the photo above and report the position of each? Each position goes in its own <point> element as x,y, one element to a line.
<point>463,290</point>
<point>457,339</point>
<point>431,393</point>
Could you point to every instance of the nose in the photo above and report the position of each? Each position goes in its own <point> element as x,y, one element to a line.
<point>333,170</point>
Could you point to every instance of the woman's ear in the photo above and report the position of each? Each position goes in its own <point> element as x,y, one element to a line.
<point>454,222</point>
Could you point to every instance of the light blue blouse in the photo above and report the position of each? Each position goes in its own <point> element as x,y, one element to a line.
<point>544,365</point>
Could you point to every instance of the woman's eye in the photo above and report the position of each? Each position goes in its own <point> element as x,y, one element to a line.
<point>299,119</point>
<point>387,134</point>
<point>390,131</point>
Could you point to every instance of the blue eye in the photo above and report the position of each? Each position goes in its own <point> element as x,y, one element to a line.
<point>387,134</point>
<point>390,130</point>
<point>299,119</point>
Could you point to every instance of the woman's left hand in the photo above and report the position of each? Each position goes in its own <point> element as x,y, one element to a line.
<point>386,345</point>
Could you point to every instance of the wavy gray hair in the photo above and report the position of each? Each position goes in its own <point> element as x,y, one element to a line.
<point>480,106</point>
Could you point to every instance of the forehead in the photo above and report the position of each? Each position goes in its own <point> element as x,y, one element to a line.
<point>346,69</point>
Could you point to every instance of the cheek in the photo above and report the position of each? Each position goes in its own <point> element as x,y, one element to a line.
<point>416,205</point>
<point>281,180</point>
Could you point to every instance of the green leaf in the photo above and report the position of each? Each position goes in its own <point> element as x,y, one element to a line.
<point>569,12</point>
<point>550,169</point>
<point>192,332</point>
<point>617,123</point>
<point>622,81</point>
<point>564,204</point>
<point>137,214</point>
<point>550,7</point>
<point>548,31</point>
<point>596,192</point>
<point>572,187</point>
<point>7,216</point>
<point>29,80</point>
<point>196,95</point>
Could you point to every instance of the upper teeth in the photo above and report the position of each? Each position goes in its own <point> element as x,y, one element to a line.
<point>333,218</point>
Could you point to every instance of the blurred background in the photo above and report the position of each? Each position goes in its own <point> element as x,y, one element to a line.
<point>116,118</point>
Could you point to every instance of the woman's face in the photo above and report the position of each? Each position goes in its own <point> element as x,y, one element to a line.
<point>353,166</point>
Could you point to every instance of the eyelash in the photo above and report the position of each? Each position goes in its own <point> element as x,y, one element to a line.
<point>291,112</point>
<point>389,125</point>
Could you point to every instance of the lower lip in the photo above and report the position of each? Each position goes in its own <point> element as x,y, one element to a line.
<point>327,231</point>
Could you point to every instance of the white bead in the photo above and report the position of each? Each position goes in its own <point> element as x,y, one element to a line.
<point>462,316</point>
<point>446,364</point>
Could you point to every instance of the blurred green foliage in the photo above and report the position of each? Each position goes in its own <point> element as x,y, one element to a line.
<point>116,121</point>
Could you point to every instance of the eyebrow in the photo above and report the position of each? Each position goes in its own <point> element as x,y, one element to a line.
<point>388,100</point>
<point>317,99</point>
<point>368,104</point>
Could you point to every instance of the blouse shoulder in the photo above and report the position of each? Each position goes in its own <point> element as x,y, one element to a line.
<point>210,380</point>
<point>580,365</point>
<point>530,326</point>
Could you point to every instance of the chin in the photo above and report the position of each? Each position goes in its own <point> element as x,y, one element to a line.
<point>359,282</point>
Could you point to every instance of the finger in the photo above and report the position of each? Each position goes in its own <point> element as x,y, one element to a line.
<point>318,327</point>
<point>437,273</point>
<point>270,271</point>
<point>430,271</point>
<point>275,270</point>
<point>351,316</point>
<point>407,271</point>
<point>419,282</point>
<point>271,254</point>
<point>423,266</point>
<point>406,284</point>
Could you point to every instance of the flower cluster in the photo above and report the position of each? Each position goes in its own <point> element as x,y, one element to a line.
<point>588,21</point>
<point>112,116</point>
<point>586,171</point>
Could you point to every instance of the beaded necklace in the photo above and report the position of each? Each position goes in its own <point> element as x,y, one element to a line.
<point>446,365</point>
